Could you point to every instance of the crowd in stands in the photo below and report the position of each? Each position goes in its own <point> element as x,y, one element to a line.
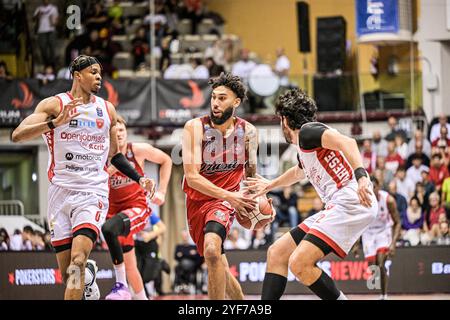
<point>25,240</point>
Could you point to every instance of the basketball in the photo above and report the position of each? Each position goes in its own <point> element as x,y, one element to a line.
<point>260,217</point>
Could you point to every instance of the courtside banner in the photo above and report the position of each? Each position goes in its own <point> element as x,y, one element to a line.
<point>176,100</point>
<point>412,270</point>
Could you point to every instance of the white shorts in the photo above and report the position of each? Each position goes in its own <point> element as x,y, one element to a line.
<point>69,211</point>
<point>342,222</point>
<point>375,241</point>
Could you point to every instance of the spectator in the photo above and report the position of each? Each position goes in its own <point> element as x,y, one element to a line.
<point>384,176</point>
<point>400,200</point>
<point>401,147</point>
<point>395,130</point>
<point>37,241</point>
<point>192,10</point>
<point>216,52</point>
<point>379,145</point>
<point>317,206</point>
<point>141,47</point>
<point>414,172</point>
<point>47,76</point>
<point>21,241</point>
<point>234,241</point>
<point>4,73</point>
<point>446,196</point>
<point>443,139</point>
<point>169,44</point>
<point>413,221</point>
<point>282,66</point>
<point>427,184</point>
<point>97,18</point>
<point>214,69</point>
<point>286,208</point>
<point>4,240</point>
<point>444,236</point>
<point>434,215</point>
<point>189,262</point>
<point>393,160</point>
<point>244,66</point>
<point>404,185</point>
<point>115,15</point>
<point>46,16</point>
<point>419,136</point>
<point>200,70</point>
<point>438,171</point>
<point>436,128</point>
<point>368,156</point>
<point>418,152</point>
<point>420,194</point>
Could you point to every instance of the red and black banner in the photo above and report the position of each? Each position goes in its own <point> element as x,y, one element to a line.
<point>176,100</point>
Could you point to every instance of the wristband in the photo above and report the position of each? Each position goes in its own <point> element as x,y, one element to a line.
<point>360,172</point>
<point>50,124</point>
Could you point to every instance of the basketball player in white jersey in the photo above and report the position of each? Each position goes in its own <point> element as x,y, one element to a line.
<point>333,165</point>
<point>80,130</point>
<point>380,237</point>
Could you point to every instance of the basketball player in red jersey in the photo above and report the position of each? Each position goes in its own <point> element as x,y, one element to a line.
<point>129,212</point>
<point>332,163</point>
<point>217,150</point>
<point>80,131</point>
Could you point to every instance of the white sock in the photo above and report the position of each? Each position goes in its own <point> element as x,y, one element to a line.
<point>342,296</point>
<point>140,295</point>
<point>121,275</point>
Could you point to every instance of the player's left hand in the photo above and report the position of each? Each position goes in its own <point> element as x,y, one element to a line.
<point>159,198</point>
<point>392,250</point>
<point>364,191</point>
<point>149,185</point>
<point>258,186</point>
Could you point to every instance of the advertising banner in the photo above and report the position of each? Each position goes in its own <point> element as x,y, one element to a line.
<point>376,16</point>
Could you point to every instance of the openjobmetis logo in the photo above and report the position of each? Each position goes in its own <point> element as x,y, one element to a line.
<point>197,99</point>
<point>27,100</point>
<point>32,277</point>
<point>113,95</point>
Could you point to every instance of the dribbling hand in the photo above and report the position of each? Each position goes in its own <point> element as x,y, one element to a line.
<point>149,185</point>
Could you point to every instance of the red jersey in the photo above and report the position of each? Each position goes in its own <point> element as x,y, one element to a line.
<point>223,158</point>
<point>125,193</point>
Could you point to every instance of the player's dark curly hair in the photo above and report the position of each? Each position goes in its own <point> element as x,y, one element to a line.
<point>297,107</point>
<point>234,83</point>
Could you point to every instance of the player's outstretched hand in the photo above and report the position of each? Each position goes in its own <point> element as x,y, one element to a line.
<point>68,112</point>
<point>159,198</point>
<point>243,204</point>
<point>149,185</point>
<point>258,186</point>
<point>364,191</point>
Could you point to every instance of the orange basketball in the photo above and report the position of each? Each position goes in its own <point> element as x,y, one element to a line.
<point>260,217</point>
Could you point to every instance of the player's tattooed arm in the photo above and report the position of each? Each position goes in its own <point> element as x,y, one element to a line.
<point>396,228</point>
<point>251,149</point>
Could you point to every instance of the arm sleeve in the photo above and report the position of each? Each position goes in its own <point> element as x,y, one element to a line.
<point>299,162</point>
<point>311,135</point>
<point>123,165</point>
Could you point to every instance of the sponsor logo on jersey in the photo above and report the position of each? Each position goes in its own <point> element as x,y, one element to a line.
<point>74,168</point>
<point>211,168</point>
<point>73,123</point>
<point>220,215</point>
<point>69,156</point>
<point>99,112</point>
<point>100,123</point>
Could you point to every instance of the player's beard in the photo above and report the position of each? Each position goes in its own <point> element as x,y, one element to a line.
<point>227,114</point>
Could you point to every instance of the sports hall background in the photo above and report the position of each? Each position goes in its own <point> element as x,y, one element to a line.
<point>362,60</point>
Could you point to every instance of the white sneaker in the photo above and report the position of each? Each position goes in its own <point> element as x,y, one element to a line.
<point>91,290</point>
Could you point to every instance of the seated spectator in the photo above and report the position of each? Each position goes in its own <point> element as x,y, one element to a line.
<point>200,70</point>
<point>244,66</point>
<point>419,136</point>
<point>192,10</point>
<point>418,153</point>
<point>214,69</point>
<point>438,171</point>
<point>434,215</point>
<point>401,147</point>
<point>443,139</point>
<point>395,130</point>
<point>414,172</point>
<point>4,240</point>
<point>317,206</point>
<point>384,176</point>
<point>379,145</point>
<point>405,186</point>
<point>436,128</point>
<point>261,238</point>
<point>400,200</point>
<point>234,241</point>
<point>47,76</point>
<point>443,239</point>
<point>4,73</point>
<point>393,160</point>
<point>419,193</point>
<point>282,67</point>
<point>286,208</point>
<point>412,223</point>
<point>97,18</point>
<point>216,52</point>
<point>369,157</point>
<point>21,241</point>
<point>37,241</point>
<point>189,262</point>
<point>141,47</point>
<point>446,196</point>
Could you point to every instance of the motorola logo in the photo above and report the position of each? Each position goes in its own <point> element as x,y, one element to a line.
<point>69,156</point>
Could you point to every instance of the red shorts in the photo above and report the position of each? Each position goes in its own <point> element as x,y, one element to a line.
<point>138,219</point>
<point>201,212</point>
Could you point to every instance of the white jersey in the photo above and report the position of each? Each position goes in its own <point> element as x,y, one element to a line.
<point>78,150</point>
<point>383,219</point>
<point>327,170</point>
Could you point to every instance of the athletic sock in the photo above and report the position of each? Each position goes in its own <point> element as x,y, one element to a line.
<point>121,275</point>
<point>273,286</point>
<point>141,295</point>
<point>325,288</point>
